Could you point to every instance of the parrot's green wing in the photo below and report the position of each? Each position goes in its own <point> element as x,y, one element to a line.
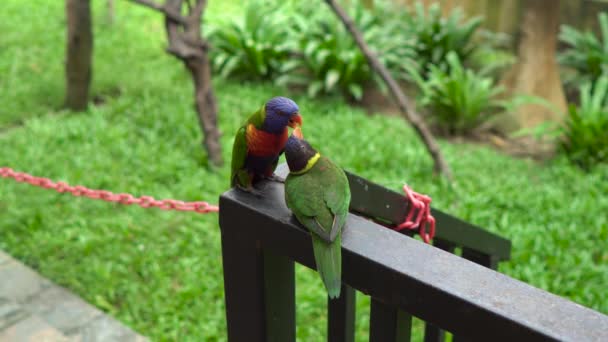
<point>238,175</point>
<point>324,208</point>
<point>239,155</point>
<point>337,198</point>
<point>309,209</point>
<point>257,118</point>
<point>319,199</point>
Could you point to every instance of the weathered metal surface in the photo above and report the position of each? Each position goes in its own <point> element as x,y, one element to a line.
<point>279,298</point>
<point>243,266</point>
<point>387,323</point>
<point>433,333</point>
<point>341,316</point>
<point>453,293</point>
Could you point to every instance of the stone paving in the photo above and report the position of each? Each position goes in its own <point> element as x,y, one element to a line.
<point>34,309</point>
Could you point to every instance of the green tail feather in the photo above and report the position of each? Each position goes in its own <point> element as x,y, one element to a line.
<point>328,257</point>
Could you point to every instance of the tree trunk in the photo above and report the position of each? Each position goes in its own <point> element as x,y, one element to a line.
<point>187,44</point>
<point>78,53</point>
<point>509,16</point>
<point>206,107</point>
<point>474,8</point>
<point>185,38</point>
<point>536,71</point>
<point>110,11</point>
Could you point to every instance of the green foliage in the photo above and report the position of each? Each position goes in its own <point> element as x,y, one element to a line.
<point>458,100</point>
<point>253,47</point>
<point>330,60</point>
<point>435,35</point>
<point>586,127</point>
<point>491,55</point>
<point>586,54</point>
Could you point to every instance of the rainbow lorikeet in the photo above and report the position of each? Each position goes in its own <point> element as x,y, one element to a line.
<point>261,140</point>
<point>318,194</point>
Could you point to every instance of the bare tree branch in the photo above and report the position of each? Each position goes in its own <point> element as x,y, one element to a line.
<point>185,42</point>
<point>110,11</point>
<point>174,15</point>
<point>407,108</point>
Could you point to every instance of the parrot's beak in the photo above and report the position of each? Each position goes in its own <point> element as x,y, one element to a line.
<point>297,132</point>
<point>295,121</point>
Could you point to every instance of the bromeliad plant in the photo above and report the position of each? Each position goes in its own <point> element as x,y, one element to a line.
<point>457,100</point>
<point>330,61</point>
<point>586,54</point>
<point>585,139</point>
<point>435,35</point>
<point>253,48</point>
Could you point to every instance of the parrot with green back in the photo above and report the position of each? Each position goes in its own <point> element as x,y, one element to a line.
<point>260,141</point>
<point>318,194</point>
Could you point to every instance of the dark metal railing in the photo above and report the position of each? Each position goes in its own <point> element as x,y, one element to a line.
<point>404,277</point>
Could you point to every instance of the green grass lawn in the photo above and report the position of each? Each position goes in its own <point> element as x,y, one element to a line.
<point>160,272</point>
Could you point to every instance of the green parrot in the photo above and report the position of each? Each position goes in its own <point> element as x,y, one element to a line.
<point>318,194</point>
<point>260,141</point>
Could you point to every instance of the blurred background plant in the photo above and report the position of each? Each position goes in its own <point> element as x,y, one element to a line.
<point>586,55</point>
<point>455,64</point>
<point>458,100</point>
<point>330,60</point>
<point>585,137</point>
<point>436,35</point>
<point>296,44</point>
<point>254,47</point>
<point>492,55</point>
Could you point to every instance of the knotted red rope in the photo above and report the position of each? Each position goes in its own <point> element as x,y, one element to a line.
<point>127,199</point>
<point>421,205</point>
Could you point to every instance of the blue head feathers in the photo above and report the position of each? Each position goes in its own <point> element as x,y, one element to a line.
<point>280,113</point>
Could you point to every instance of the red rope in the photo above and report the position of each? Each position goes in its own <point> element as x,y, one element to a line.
<point>424,221</point>
<point>419,204</point>
<point>127,199</point>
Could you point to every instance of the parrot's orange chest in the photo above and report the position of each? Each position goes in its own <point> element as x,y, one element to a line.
<point>260,143</point>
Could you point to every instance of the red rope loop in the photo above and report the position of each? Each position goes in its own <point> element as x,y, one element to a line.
<point>419,215</point>
<point>126,199</point>
<point>419,205</point>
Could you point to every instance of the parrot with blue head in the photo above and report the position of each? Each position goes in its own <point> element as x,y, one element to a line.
<point>318,194</point>
<point>260,141</point>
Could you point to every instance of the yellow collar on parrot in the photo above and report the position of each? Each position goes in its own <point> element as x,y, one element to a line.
<point>311,162</point>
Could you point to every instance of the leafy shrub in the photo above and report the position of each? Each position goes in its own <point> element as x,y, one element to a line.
<point>585,131</point>
<point>586,54</point>
<point>330,60</point>
<point>492,55</point>
<point>254,47</point>
<point>435,36</point>
<point>458,100</point>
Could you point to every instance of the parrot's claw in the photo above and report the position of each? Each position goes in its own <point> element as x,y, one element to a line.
<point>250,190</point>
<point>275,178</point>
